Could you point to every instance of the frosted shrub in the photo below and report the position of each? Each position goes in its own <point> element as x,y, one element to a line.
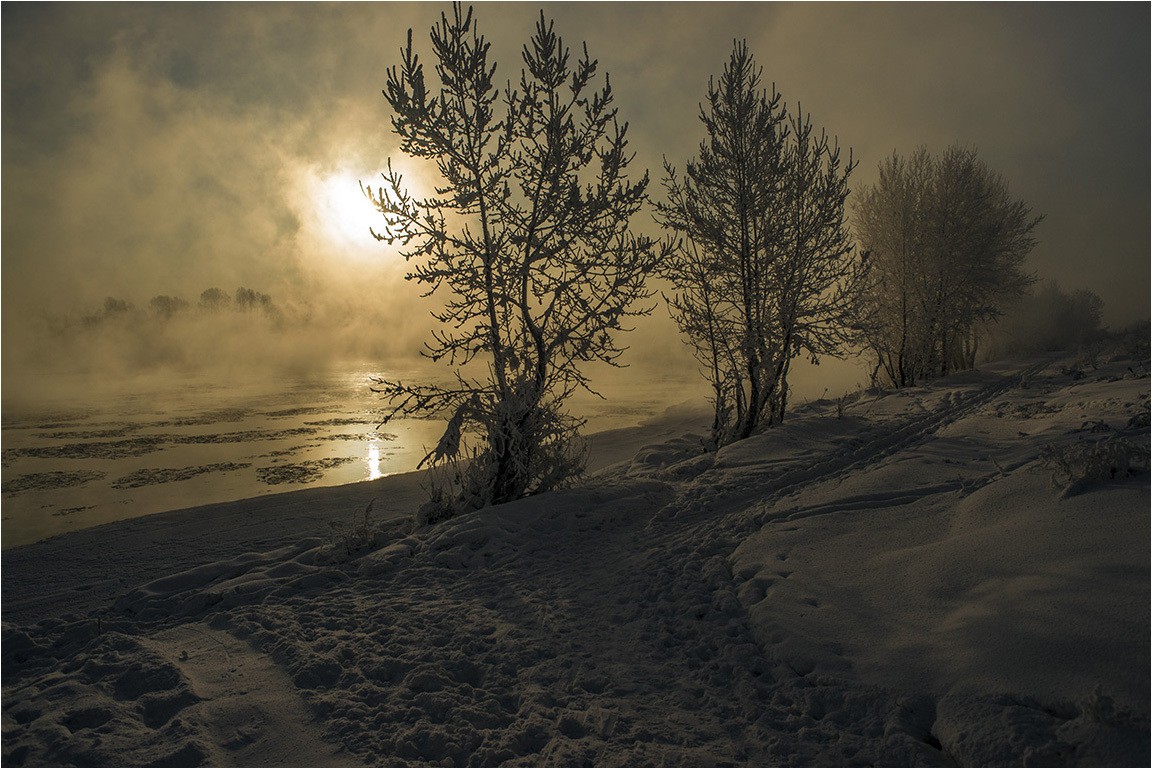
<point>357,536</point>
<point>1089,354</point>
<point>1134,341</point>
<point>1079,465</point>
<point>1102,709</point>
<point>548,454</point>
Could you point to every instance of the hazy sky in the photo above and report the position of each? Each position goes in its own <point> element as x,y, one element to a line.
<point>155,149</point>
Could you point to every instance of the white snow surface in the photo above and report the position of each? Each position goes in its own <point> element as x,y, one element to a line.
<point>894,580</point>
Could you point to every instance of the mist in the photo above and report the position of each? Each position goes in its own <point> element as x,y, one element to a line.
<point>158,150</point>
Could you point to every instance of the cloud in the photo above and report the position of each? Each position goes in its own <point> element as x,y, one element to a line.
<point>153,149</point>
<point>164,189</point>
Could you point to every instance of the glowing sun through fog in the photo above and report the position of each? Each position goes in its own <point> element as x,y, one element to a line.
<point>344,212</point>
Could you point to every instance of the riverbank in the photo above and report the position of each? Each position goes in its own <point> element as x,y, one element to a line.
<point>84,570</point>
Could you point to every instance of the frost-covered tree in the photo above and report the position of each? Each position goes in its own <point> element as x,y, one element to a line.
<point>948,243</point>
<point>528,241</point>
<point>891,219</point>
<point>765,270</point>
<point>817,272</point>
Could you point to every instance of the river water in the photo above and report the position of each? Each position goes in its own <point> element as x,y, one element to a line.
<point>75,457</point>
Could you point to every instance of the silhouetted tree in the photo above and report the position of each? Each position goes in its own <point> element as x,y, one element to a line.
<point>213,299</point>
<point>166,306</point>
<point>113,309</point>
<point>892,219</point>
<point>765,270</point>
<point>817,274</point>
<point>948,244</point>
<point>249,299</point>
<point>527,238</point>
<point>114,306</point>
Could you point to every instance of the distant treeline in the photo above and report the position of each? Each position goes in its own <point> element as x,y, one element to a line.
<point>166,307</point>
<point>216,329</point>
<point>1052,319</point>
<point>243,331</point>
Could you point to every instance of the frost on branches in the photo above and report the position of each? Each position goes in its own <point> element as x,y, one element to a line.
<point>948,243</point>
<point>527,241</point>
<point>766,270</point>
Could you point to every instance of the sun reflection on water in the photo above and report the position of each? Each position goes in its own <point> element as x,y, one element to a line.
<point>373,461</point>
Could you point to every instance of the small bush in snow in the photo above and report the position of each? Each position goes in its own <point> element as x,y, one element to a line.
<point>1139,421</point>
<point>1133,341</point>
<point>1089,353</point>
<point>356,536</point>
<point>556,457</point>
<point>1102,709</point>
<point>453,488</point>
<point>1079,465</point>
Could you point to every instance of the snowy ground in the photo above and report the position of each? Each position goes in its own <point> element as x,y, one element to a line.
<point>896,579</point>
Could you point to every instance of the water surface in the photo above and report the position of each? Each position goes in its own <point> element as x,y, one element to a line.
<point>74,457</point>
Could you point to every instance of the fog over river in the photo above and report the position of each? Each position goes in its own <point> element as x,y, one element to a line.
<point>76,455</point>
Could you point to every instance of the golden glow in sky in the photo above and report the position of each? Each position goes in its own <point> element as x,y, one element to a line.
<point>344,212</point>
<point>243,168</point>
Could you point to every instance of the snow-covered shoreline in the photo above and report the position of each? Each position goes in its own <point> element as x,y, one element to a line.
<point>86,569</point>
<point>156,443</point>
<point>889,580</point>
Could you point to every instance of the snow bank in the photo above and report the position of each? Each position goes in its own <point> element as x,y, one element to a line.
<point>958,571</point>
